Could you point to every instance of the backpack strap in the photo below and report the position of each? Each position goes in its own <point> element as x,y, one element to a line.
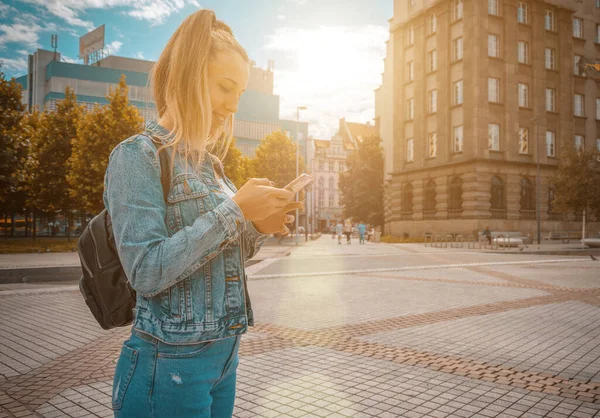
<point>165,166</point>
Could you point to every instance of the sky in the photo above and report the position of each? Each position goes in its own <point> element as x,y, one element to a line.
<point>328,54</point>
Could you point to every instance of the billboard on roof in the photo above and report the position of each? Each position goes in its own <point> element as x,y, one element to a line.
<point>91,42</point>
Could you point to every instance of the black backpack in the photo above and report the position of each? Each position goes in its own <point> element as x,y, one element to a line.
<point>104,285</point>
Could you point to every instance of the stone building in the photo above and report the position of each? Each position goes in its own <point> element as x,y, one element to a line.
<point>481,91</point>
<point>328,162</point>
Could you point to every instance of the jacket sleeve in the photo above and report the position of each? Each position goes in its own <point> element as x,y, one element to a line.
<point>133,196</point>
<point>252,240</point>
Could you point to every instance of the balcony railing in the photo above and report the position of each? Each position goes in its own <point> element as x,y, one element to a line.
<point>429,214</point>
<point>555,216</point>
<point>455,213</point>
<point>528,215</point>
<point>498,213</point>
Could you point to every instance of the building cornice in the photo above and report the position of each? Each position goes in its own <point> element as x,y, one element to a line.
<point>503,163</point>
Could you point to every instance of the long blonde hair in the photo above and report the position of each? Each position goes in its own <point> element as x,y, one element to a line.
<point>179,82</point>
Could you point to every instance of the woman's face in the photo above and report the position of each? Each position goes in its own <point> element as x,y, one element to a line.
<point>228,76</point>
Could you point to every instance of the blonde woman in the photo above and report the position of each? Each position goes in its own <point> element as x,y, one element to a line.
<point>184,255</point>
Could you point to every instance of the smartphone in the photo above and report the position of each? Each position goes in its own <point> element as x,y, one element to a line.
<point>299,183</point>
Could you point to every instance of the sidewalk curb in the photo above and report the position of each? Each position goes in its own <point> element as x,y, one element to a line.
<point>53,289</point>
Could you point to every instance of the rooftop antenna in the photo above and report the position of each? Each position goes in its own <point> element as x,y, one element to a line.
<point>54,44</point>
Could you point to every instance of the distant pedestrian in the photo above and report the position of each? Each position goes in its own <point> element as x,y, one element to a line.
<point>361,233</point>
<point>488,234</point>
<point>339,229</point>
<point>348,230</point>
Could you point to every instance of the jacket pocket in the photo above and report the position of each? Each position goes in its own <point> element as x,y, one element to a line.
<point>233,295</point>
<point>188,198</point>
<point>123,373</point>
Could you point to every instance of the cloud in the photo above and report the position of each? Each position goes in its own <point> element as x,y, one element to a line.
<point>334,73</point>
<point>280,17</point>
<point>71,11</point>
<point>114,47</point>
<point>139,55</point>
<point>14,65</point>
<point>70,60</point>
<point>20,33</point>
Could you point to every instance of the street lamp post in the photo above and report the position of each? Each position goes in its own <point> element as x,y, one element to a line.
<point>298,109</point>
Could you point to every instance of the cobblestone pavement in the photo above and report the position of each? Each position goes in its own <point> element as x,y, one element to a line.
<point>352,331</point>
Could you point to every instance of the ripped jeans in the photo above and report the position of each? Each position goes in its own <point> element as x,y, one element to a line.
<point>154,379</point>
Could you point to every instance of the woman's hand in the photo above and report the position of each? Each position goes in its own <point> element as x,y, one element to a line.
<point>258,199</point>
<point>276,222</point>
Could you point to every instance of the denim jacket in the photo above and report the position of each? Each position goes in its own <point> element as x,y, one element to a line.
<point>184,257</point>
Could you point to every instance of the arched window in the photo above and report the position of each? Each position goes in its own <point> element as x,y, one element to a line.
<point>527,195</point>
<point>331,183</point>
<point>456,194</point>
<point>321,182</point>
<point>498,198</point>
<point>430,197</point>
<point>407,198</point>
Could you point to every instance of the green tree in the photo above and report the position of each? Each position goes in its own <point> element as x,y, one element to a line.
<point>275,159</point>
<point>362,184</point>
<point>49,156</point>
<point>98,132</point>
<point>577,182</point>
<point>237,166</point>
<point>13,147</point>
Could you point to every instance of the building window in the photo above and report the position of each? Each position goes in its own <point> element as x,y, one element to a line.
<point>550,100</point>
<point>550,144</point>
<point>597,109</point>
<point>550,59</point>
<point>578,105</point>
<point>456,194</point>
<point>321,199</point>
<point>458,92</point>
<point>321,182</point>
<point>498,200</point>
<point>407,198</point>
<point>331,199</point>
<point>432,145</point>
<point>523,95</point>
<point>576,69</point>
<point>432,60</point>
<point>523,52</point>
<point>458,138</point>
<point>331,183</point>
<point>579,142</point>
<point>494,136</point>
<point>597,34</point>
<point>598,149</point>
<point>458,49</point>
<point>431,24</point>
<point>523,141</point>
<point>522,15</point>
<point>409,150</point>
<point>493,46</point>
<point>527,195</point>
<point>331,167</point>
<point>577,28</point>
<point>410,71</point>
<point>430,197</point>
<point>457,11</point>
<point>549,20</point>
<point>433,101</point>
<point>410,109</point>
<point>493,7</point>
<point>410,36</point>
<point>321,165</point>
<point>494,90</point>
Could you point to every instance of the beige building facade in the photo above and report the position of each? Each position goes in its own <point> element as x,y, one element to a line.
<point>482,89</point>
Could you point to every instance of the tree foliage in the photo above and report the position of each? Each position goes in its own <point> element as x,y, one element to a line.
<point>51,134</point>
<point>577,182</point>
<point>362,184</point>
<point>237,166</point>
<point>98,132</point>
<point>275,159</point>
<point>13,147</point>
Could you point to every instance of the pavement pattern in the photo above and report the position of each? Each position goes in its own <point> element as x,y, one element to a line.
<point>376,330</point>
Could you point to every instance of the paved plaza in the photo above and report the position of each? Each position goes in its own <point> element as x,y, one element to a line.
<point>375,330</point>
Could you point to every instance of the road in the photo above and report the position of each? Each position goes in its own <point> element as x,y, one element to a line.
<point>375,330</point>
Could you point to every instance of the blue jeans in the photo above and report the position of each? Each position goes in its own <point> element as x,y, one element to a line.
<point>154,379</point>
